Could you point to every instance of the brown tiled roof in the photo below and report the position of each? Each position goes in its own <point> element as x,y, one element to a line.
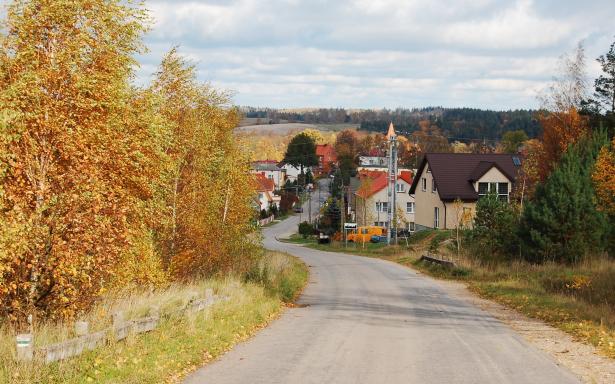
<point>454,172</point>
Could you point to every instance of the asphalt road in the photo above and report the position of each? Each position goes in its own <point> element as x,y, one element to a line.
<point>371,321</point>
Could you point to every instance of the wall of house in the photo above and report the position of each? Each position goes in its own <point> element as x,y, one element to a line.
<point>454,214</point>
<point>426,201</point>
<point>366,213</point>
<point>493,176</point>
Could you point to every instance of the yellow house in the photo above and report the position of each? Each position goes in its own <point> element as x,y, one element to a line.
<point>448,185</point>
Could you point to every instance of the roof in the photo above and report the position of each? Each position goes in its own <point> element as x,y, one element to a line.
<point>378,181</point>
<point>264,184</point>
<point>454,173</point>
<point>265,165</point>
<point>391,133</point>
<point>324,150</point>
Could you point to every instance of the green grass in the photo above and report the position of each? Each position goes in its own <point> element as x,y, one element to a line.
<point>180,344</point>
<point>363,249</point>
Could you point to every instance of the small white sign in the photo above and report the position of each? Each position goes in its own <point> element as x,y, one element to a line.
<point>350,225</point>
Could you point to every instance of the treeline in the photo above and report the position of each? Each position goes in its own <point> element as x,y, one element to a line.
<point>458,123</point>
<point>104,185</point>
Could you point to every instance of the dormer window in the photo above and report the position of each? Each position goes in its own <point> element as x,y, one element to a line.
<point>501,189</point>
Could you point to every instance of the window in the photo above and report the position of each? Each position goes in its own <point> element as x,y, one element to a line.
<point>483,189</point>
<point>433,186</point>
<point>382,206</point>
<point>436,217</point>
<point>516,161</point>
<point>411,227</point>
<point>424,184</point>
<point>409,207</point>
<point>270,177</point>
<point>381,224</point>
<point>400,187</point>
<point>501,189</point>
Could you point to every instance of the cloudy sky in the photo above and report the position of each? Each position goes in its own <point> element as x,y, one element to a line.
<point>379,53</point>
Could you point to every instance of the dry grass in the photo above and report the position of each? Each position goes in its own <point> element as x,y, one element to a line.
<point>180,343</point>
<point>579,299</point>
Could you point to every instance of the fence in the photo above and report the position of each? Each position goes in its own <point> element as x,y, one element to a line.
<point>266,221</point>
<point>120,330</point>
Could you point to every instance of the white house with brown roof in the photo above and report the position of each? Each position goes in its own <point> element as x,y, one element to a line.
<point>448,185</point>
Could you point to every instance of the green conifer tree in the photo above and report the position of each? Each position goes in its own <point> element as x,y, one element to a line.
<point>562,223</point>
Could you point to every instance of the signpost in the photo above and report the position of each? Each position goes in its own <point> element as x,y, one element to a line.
<point>348,226</point>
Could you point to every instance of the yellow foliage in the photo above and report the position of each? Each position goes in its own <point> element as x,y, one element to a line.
<point>604,178</point>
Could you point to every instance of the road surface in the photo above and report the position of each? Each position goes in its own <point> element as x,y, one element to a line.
<point>372,321</point>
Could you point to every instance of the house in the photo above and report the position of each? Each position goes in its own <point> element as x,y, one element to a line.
<point>291,172</point>
<point>265,189</point>
<point>326,158</point>
<point>373,161</point>
<point>270,170</point>
<point>371,199</point>
<point>448,185</point>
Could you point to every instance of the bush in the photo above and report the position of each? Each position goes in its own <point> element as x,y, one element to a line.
<point>306,229</point>
<point>494,231</point>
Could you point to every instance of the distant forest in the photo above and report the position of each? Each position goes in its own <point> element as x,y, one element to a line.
<point>455,123</point>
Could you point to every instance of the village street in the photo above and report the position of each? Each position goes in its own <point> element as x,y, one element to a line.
<point>363,320</point>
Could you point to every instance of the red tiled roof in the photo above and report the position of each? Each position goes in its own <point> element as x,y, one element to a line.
<point>406,176</point>
<point>378,181</point>
<point>264,184</point>
<point>324,150</point>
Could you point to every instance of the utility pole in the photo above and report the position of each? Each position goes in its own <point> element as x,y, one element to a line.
<point>343,214</point>
<point>392,190</point>
<point>310,207</point>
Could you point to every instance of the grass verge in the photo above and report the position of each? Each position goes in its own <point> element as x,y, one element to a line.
<point>577,299</point>
<point>180,344</point>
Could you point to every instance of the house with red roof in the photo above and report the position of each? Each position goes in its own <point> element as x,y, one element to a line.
<point>448,185</point>
<point>270,170</point>
<point>372,203</point>
<point>265,188</point>
<point>327,158</point>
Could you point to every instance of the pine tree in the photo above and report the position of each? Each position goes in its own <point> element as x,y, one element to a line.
<point>493,233</point>
<point>301,152</point>
<point>563,223</point>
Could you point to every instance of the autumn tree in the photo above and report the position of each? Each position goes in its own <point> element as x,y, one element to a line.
<point>204,196</point>
<point>512,141</point>
<point>562,123</point>
<point>347,152</point>
<point>74,173</point>
<point>604,181</point>
<point>560,129</point>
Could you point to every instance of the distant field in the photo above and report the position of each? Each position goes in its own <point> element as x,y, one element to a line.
<point>286,128</point>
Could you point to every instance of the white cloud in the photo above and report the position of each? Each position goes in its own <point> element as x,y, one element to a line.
<point>360,53</point>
